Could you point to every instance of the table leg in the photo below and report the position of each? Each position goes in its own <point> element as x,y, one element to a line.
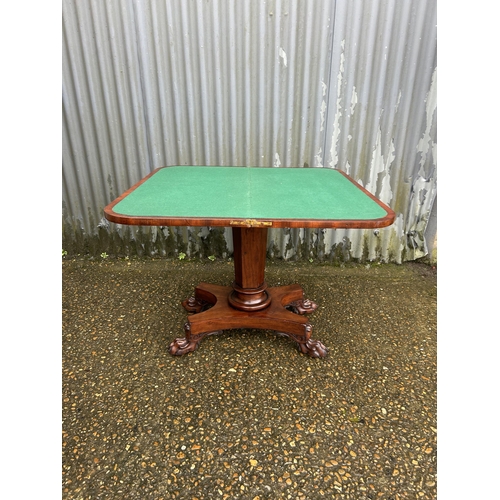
<point>248,303</point>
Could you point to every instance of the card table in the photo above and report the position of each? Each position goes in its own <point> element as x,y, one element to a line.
<point>250,200</point>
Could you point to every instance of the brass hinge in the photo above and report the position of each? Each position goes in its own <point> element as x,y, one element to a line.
<point>251,223</point>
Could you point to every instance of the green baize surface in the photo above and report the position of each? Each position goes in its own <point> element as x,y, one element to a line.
<point>249,193</point>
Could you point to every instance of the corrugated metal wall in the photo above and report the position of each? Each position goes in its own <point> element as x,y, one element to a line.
<point>345,84</point>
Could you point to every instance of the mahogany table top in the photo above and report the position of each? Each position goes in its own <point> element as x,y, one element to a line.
<point>251,197</point>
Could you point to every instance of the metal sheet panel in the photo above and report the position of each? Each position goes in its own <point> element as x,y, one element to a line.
<point>382,118</point>
<point>325,84</point>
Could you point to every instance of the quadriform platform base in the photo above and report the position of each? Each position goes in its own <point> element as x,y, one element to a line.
<point>248,303</point>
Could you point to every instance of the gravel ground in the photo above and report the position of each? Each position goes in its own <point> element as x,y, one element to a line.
<point>247,416</point>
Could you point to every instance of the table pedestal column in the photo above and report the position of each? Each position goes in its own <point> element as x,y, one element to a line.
<point>248,303</point>
<point>249,287</point>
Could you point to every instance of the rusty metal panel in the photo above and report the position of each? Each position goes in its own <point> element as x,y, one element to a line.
<point>382,118</point>
<point>349,85</point>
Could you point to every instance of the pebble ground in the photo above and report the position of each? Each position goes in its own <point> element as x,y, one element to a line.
<point>247,416</point>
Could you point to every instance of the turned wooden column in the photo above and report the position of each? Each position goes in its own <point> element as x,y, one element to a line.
<point>249,286</point>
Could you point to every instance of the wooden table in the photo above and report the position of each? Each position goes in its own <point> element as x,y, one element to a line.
<point>249,200</point>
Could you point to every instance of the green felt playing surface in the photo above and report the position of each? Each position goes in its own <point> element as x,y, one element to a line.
<point>249,193</point>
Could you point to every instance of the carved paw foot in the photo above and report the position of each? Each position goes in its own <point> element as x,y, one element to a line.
<point>182,346</point>
<point>302,306</point>
<point>194,305</point>
<point>314,348</point>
